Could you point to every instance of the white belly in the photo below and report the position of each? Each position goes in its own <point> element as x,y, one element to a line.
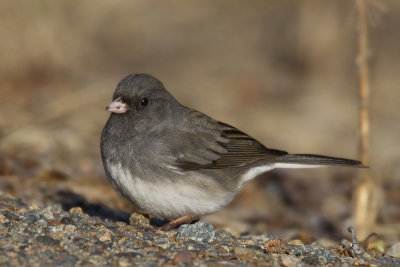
<point>166,199</point>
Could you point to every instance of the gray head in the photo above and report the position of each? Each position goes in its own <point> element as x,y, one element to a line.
<point>142,97</point>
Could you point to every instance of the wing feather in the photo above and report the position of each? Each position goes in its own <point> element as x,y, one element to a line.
<point>216,145</point>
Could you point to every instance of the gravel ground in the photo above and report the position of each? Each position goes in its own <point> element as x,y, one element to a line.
<point>50,236</point>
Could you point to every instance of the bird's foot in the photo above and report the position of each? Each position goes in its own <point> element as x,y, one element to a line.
<point>175,223</point>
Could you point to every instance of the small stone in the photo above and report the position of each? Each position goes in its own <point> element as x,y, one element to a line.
<point>394,251</point>
<point>67,220</point>
<point>48,213</point>
<point>30,217</point>
<point>109,224</point>
<point>33,207</point>
<point>312,255</point>
<point>164,245</point>
<point>388,261</point>
<point>274,246</point>
<point>223,249</point>
<point>41,223</point>
<point>3,219</point>
<point>11,216</point>
<point>106,237</point>
<point>239,251</point>
<point>160,232</point>
<point>296,242</point>
<point>47,240</point>
<point>54,222</point>
<point>124,263</point>
<point>182,257</point>
<point>76,210</point>
<point>289,261</point>
<point>139,219</point>
<point>70,228</point>
<point>200,232</point>
<point>245,242</point>
<point>312,260</point>
<point>120,224</point>
<point>58,235</point>
<point>19,209</point>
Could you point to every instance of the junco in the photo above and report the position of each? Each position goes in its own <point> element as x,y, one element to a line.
<point>176,163</point>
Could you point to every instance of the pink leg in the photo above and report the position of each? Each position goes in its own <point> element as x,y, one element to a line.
<point>173,224</point>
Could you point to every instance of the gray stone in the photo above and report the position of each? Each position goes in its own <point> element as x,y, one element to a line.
<point>30,217</point>
<point>47,240</point>
<point>200,232</point>
<point>312,255</point>
<point>387,261</point>
<point>41,223</point>
<point>394,251</point>
<point>11,216</point>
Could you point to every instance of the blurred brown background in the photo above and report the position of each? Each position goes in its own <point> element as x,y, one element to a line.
<point>283,71</point>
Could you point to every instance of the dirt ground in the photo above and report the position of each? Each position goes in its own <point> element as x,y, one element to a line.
<point>282,71</point>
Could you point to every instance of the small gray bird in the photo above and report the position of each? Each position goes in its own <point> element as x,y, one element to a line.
<point>176,163</point>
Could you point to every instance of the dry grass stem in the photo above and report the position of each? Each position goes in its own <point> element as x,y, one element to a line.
<point>366,194</point>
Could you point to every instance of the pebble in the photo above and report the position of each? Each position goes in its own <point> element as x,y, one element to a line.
<point>139,219</point>
<point>394,251</point>
<point>106,237</point>
<point>124,263</point>
<point>290,261</point>
<point>41,223</point>
<point>313,255</point>
<point>76,210</point>
<point>70,228</point>
<point>182,257</point>
<point>274,246</point>
<point>240,251</point>
<point>11,216</point>
<point>33,207</point>
<point>67,220</point>
<point>200,232</point>
<point>245,242</point>
<point>47,240</point>
<point>3,218</point>
<point>30,217</point>
<point>296,242</point>
<point>223,249</point>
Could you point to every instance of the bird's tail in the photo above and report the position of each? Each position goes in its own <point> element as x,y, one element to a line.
<point>310,161</point>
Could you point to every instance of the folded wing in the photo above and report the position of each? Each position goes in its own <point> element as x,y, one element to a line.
<point>216,145</point>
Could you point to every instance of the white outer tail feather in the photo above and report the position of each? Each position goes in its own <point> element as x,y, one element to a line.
<point>253,172</point>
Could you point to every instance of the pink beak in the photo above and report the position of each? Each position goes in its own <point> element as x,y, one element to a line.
<point>117,106</point>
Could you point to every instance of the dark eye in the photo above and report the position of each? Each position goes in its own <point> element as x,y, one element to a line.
<point>144,101</point>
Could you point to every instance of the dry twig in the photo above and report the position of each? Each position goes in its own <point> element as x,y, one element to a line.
<point>366,200</point>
